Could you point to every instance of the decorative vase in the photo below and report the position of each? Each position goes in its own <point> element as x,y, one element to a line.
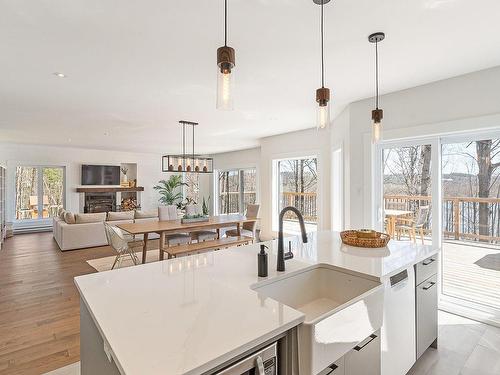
<point>125,178</point>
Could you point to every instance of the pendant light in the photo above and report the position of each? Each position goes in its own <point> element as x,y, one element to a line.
<point>225,76</point>
<point>323,93</point>
<point>377,113</point>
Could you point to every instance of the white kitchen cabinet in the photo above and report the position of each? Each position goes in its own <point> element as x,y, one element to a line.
<point>364,359</point>
<point>337,368</point>
<point>426,296</point>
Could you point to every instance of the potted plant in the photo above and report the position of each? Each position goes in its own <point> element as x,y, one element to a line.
<point>169,190</point>
<point>194,218</point>
<point>204,206</point>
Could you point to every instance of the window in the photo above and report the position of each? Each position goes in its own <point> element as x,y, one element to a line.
<point>39,192</point>
<point>192,190</point>
<point>236,189</point>
<point>297,183</point>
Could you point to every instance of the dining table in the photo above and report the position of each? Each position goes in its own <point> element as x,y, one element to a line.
<point>392,217</point>
<point>167,227</point>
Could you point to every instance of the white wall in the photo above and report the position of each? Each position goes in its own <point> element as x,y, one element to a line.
<point>457,105</point>
<point>462,104</point>
<point>302,143</point>
<point>148,169</point>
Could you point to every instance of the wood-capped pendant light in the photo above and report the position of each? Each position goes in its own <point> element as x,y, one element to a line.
<point>377,113</point>
<point>225,75</point>
<point>323,93</point>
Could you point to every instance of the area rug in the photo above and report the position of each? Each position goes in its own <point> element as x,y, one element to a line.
<point>105,264</point>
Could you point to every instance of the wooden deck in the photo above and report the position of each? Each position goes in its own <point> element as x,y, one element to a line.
<point>471,271</point>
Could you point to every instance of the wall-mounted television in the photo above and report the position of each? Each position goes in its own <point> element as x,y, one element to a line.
<point>100,175</point>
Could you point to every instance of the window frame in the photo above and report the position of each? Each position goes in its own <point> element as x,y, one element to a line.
<point>275,188</point>
<point>40,222</point>
<point>241,190</point>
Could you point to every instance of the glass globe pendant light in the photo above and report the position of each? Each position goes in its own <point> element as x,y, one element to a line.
<point>225,75</point>
<point>323,93</point>
<point>377,113</point>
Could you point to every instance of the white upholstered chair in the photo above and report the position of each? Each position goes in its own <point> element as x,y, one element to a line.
<point>200,235</point>
<point>166,213</point>
<point>124,244</point>
<point>248,229</point>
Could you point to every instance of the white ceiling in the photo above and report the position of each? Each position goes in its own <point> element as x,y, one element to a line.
<point>134,68</point>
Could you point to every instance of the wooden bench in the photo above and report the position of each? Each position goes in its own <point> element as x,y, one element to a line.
<point>226,242</point>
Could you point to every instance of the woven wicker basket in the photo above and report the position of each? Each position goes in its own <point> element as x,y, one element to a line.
<point>351,238</point>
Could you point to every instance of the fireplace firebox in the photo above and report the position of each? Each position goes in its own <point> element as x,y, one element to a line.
<point>99,202</point>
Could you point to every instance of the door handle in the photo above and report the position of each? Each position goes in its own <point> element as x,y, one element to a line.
<point>259,366</point>
<point>428,261</point>
<point>428,286</point>
<point>370,339</point>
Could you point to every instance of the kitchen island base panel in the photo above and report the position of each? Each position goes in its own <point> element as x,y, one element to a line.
<point>93,358</point>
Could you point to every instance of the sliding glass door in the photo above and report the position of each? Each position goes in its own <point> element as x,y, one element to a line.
<point>471,221</point>
<point>39,192</point>
<point>407,201</point>
<point>445,192</point>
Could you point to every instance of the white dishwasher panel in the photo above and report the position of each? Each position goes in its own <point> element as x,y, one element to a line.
<point>398,329</point>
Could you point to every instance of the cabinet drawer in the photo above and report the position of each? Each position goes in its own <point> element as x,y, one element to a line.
<point>427,314</point>
<point>426,269</point>
<point>364,359</point>
<point>335,369</point>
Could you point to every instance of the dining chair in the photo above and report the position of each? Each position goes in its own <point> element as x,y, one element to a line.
<point>248,228</point>
<point>411,225</point>
<point>124,244</point>
<point>166,213</point>
<point>200,235</point>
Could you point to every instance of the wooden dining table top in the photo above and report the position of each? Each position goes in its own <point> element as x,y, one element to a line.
<point>397,212</point>
<point>219,221</point>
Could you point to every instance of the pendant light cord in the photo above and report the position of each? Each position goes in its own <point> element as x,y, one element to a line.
<point>376,74</point>
<point>225,23</point>
<point>322,54</point>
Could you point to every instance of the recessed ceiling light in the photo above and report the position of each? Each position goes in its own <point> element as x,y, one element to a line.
<point>60,75</point>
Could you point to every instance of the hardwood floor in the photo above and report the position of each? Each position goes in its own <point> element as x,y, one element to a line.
<point>39,303</point>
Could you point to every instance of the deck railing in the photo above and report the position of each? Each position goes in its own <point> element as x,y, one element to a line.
<point>305,202</point>
<point>461,215</point>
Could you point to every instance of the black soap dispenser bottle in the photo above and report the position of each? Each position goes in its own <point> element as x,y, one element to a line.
<point>262,261</point>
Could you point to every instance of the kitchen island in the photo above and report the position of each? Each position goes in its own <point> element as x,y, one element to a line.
<point>192,314</point>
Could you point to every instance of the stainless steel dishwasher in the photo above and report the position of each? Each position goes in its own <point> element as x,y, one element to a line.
<point>262,362</point>
<point>426,304</point>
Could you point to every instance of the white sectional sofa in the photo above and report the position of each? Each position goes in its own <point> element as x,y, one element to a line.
<point>79,231</point>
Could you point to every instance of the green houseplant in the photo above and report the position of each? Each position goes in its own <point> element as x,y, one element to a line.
<point>204,207</point>
<point>169,190</point>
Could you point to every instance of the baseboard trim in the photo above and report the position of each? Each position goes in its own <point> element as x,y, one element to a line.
<point>32,230</point>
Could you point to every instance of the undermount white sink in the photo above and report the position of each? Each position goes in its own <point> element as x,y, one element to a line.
<point>341,309</point>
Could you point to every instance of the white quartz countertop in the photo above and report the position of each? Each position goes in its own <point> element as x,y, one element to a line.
<point>191,314</point>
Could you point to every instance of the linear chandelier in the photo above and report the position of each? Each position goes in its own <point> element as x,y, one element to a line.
<point>187,162</point>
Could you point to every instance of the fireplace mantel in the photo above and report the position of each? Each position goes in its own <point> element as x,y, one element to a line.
<point>108,189</point>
